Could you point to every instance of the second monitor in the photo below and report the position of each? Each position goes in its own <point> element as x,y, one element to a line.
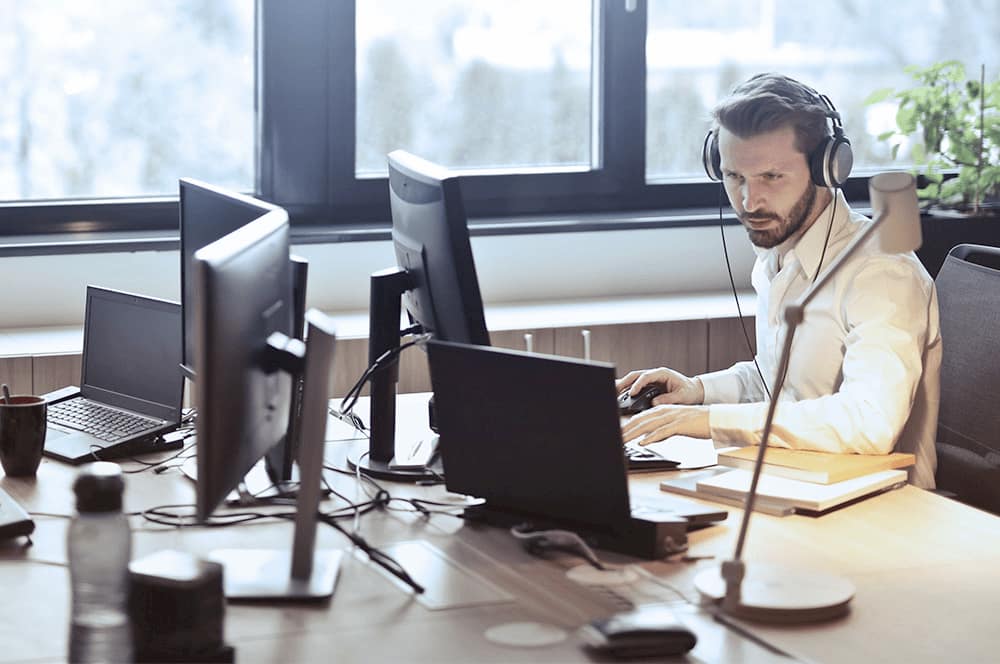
<point>208,213</point>
<point>434,277</point>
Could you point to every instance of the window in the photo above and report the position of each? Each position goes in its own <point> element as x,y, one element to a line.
<point>117,98</point>
<point>697,52</point>
<point>475,85</point>
<point>562,107</point>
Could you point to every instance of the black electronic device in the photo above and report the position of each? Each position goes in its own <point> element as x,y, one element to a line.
<point>641,460</point>
<point>539,453</point>
<point>207,213</point>
<point>435,277</point>
<point>830,162</point>
<point>246,360</point>
<point>14,521</point>
<point>630,405</point>
<point>130,391</point>
<point>646,631</point>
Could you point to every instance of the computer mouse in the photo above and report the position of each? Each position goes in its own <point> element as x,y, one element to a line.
<point>647,631</point>
<point>629,405</point>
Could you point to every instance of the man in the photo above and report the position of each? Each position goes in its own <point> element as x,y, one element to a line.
<point>863,375</point>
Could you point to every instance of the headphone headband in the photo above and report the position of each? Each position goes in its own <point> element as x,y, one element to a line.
<point>830,162</point>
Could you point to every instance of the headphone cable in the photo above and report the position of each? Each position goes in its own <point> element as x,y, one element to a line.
<point>736,297</point>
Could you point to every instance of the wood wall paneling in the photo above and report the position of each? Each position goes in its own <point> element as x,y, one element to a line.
<point>51,372</point>
<point>726,343</point>
<point>680,345</point>
<point>16,373</point>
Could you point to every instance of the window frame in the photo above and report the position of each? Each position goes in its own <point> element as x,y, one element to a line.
<point>305,121</point>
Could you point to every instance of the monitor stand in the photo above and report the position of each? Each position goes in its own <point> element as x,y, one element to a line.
<point>376,459</point>
<point>303,573</point>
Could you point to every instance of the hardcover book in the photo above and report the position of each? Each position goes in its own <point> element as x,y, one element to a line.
<point>816,467</point>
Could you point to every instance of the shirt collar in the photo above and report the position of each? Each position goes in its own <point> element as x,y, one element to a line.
<point>807,249</point>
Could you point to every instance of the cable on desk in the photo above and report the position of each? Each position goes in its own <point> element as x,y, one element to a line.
<point>377,556</point>
<point>162,463</point>
<point>36,561</point>
<point>51,515</point>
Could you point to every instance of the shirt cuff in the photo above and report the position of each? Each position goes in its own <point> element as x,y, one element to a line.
<point>737,423</point>
<point>721,387</point>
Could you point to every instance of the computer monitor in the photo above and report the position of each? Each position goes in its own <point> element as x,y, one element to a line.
<point>434,277</point>
<point>207,213</point>
<point>246,360</point>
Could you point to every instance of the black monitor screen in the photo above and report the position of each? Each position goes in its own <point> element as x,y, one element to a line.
<point>431,240</point>
<point>206,214</point>
<point>243,294</point>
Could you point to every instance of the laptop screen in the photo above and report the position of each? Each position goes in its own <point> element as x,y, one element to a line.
<point>531,434</point>
<point>131,352</point>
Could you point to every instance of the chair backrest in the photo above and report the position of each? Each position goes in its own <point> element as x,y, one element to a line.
<point>968,440</point>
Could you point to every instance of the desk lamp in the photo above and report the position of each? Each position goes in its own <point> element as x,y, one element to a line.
<point>772,593</point>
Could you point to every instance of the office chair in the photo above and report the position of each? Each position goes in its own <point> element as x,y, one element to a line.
<point>968,435</point>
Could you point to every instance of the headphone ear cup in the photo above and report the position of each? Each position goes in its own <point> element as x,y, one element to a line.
<point>831,162</point>
<point>710,158</point>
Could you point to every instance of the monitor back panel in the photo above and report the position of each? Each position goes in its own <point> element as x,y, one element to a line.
<point>530,433</point>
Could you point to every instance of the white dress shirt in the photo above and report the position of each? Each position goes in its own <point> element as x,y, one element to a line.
<point>864,370</point>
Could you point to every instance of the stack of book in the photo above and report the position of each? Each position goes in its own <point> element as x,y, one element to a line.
<point>795,481</point>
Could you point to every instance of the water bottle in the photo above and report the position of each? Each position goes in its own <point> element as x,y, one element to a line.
<point>99,547</point>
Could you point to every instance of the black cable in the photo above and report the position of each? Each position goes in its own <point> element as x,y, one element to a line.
<point>819,267</point>
<point>351,398</point>
<point>383,560</point>
<point>732,282</point>
<point>826,242</point>
<point>162,463</point>
<point>736,297</point>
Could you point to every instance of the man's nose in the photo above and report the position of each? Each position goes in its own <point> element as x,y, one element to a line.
<point>752,199</point>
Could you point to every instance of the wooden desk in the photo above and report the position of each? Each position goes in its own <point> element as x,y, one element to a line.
<point>923,566</point>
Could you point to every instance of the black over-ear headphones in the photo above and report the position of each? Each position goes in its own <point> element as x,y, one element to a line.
<point>829,163</point>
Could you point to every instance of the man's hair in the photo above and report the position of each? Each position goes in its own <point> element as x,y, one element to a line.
<point>768,102</point>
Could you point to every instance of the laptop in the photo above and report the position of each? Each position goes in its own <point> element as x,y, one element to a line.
<point>539,439</point>
<point>131,387</point>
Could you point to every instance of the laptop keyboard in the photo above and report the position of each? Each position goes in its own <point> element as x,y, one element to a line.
<point>108,424</point>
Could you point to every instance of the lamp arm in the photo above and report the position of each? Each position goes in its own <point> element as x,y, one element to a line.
<point>793,316</point>
<point>759,463</point>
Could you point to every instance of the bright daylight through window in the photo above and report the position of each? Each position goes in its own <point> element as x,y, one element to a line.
<point>114,98</point>
<point>475,85</point>
<point>847,49</point>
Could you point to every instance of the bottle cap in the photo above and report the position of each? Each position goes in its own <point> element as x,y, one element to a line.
<point>99,487</point>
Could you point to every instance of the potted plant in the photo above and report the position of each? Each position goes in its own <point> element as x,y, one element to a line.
<point>952,126</point>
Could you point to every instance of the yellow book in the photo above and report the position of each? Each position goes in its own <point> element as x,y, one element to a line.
<point>816,467</point>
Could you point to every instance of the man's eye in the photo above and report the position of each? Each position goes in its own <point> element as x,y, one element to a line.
<point>772,176</point>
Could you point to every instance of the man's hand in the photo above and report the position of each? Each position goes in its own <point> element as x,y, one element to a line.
<point>678,388</point>
<point>661,422</point>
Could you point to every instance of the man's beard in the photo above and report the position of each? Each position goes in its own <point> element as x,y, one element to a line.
<point>787,226</point>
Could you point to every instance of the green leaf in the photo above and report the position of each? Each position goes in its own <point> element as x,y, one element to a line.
<point>886,135</point>
<point>919,153</point>
<point>877,96</point>
<point>895,151</point>
<point>906,119</point>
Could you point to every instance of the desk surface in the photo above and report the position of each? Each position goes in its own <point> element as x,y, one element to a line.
<point>923,566</point>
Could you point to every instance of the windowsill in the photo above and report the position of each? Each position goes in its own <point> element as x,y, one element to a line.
<point>115,242</point>
<point>562,313</point>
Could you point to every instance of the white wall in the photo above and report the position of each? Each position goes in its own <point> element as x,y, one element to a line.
<point>49,290</point>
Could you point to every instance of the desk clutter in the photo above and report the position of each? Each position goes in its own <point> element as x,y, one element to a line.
<point>794,481</point>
